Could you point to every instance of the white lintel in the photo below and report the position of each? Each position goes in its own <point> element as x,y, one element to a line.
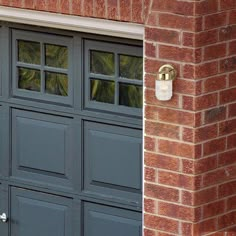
<point>75,23</point>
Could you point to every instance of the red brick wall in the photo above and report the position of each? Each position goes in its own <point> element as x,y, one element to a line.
<point>190,141</point>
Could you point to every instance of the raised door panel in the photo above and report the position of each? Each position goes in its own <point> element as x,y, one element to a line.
<point>107,221</point>
<point>112,162</point>
<point>43,149</point>
<point>34,213</point>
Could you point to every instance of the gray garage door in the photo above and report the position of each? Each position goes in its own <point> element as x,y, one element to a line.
<point>70,133</point>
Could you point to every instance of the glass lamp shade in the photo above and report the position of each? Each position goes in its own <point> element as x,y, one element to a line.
<point>164,90</point>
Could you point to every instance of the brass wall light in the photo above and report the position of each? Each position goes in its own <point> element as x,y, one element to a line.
<point>164,82</point>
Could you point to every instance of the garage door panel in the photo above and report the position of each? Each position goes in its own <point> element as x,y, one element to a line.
<point>109,153</point>
<point>104,220</point>
<point>34,213</point>
<point>42,147</point>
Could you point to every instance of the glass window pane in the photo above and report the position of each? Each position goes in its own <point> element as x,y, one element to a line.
<point>130,95</point>
<point>102,63</point>
<point>29,52</point>
<point>56,84</point>
<point>29,79</point>
<point>102,91</point>
<point>131,67</point>
<point>56,56</point>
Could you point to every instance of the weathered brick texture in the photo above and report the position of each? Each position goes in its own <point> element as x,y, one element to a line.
<point>190,141</point>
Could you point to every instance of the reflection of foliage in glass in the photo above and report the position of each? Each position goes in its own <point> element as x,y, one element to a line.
<point>102,63</point>
<point>131,95</point>
<point>131,67</point>
<point>56,84</point>
<point>29,52</point>
<point>56,56</point>
<point>29,79</point>
<point>102,91</point>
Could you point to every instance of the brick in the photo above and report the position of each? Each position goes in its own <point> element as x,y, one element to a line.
<point>188,135</point>
<point>42,5</point>
<point>215,51</point>
<point>152,19</point>
<point>228,64</point>
<point>149,205</point>
<point>185,86</point>
<point>149,80</point>
<point>214,83</point>
<point>206,7</point>
<point>202,196</point>
<point>88,8</point>
<point>206,38</point>
<point>213,209</point>
<point>159,192</point>
<point>137,11</point>
<point>152,65</point>
<point>174,6</point>
<point>178,180</point>
<point>175,116</point>
<point>52,6</point>
<point>205,133</point>
<point>227,33</point>
<point>232,110</point>
<point>161,161</point>
<point>205,227</point>
<point>227,158</point>
<point>188,39</point>
<point>227,4</point>
<point>232,17</point>
<point>150,49</point>
<point>199,166</point>
<point>231,203</point>
<point>206,70</point>
<point>231,141</point>
<point>186,228</point>
<point>179,54</point>
<point>160,223</point>
<point>215,20</point>
<point>149,143</point>
<point>219,175</point>
<point>215,114</point>
<point>148,232</point>
<point>227,127</point>
<point>125,10</point>
<point>206,101</point>
<point>162,130</point>
<point>162,35</point>
<point>64,6</point>
<point>176,148</point>
<point>177,21</point>
<point>228,95</point>
<point>112,10</point>
<point>29,4</point>
<point>187,198</point>
<point>232,48</point>
<point>16,3</point>
<point>232,79</point>
<point>76,7</point>
<point>188,103</point>
<point>227,220</point>
<point>149,174</point>
<point>214,146</point>
<point>176,211</point>
<point>100,8</point>
<point>227,189</point>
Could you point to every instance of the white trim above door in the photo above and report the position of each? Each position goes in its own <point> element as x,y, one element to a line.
<point>75,23</point>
